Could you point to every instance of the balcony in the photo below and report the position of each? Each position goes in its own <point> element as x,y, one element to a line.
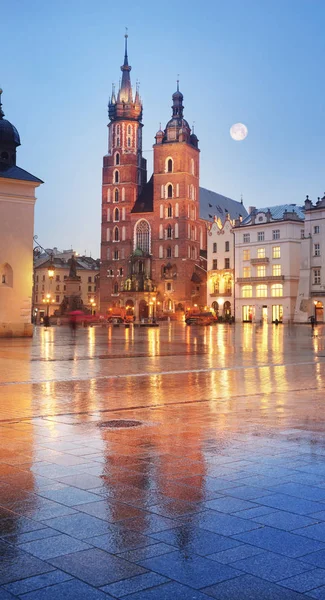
<point>260,279</point>
<point>260,261</point>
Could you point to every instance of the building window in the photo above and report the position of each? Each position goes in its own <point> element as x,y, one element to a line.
<point>277,312</point>
<point>276,270</point>
<point>316,276</point>
<point>277,289</point>
<point>260,236</point>
<point>116,177</point>
<point>276,234</point>
<point>116,195</point>
<point>261,291</point>
<point>302,233</point>
<point>316,228</point>
<point>169,252</point>
<point>215,264</point>
<point>261,271</point>
<point>260,252</point>
<point>43,278</point>
<point>246,255</point>
<point>246,238</point>
<point>117,158</point>
<point>37,278</point>
<point>226,246</point>
<point>227,263</point>
<point>168,286</point>
<point>276,252</point>
<point>116,214</point>
<point>57,288</point>
<point>115,288</point>
<point>169,232</point>
<point>169,211</point>
<point>57,299</point>
<point>36,299</point>
<point>120,272</point>
<point>169,191</point>
<point>116,234</point>
<point>142,236</point>
<point>129,142</point>
<point>57,278</point>
<point>118,141</point>
<point>214,247</point>
<point>64,288</point>
<point>36,286</point>
<point>247,291</point>
<point>247,271</point>
<point>116,255</point>
<point>169,165</point>
<point>89,279</point>
<point>89,288</point>
<point>316,249</point>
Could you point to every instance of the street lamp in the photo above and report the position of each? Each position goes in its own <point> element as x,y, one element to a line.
<point>92,304</point>
<point>315,311</point>
<point>47,300</point>
<point>51,268</point>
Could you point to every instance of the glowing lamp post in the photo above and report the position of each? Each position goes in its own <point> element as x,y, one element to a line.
<point>47,300</point>
<point>315,311</point>
<point>92,305</point>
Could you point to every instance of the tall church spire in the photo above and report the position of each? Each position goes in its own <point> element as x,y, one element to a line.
<point>125,92</point>
<point>124,105</point>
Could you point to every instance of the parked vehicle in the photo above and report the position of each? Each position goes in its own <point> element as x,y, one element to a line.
<point>195,317</point>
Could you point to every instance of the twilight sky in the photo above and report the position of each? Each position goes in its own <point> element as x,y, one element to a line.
<point>259,62</point>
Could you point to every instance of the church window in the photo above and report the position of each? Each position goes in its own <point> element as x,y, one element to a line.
<point>116,195</point>
<point>169,232</point>
<point>116,214</point>
<point>169,211</point>
<point>118,141</point>
<point>116,255</point>
<point>169,252</point>
<point>176,251</point>
<point>129,129</point>
<point>142,236</point>
<point>169,165</point>
<point>117,129</point>
<point>169,191</point>
<point>116,234</point>
<point>116,177</point>
<point>117,158</point>
<point>129,142</point>
<point>115,288</point>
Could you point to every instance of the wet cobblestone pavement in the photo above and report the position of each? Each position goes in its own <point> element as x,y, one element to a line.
<point>217,492</point>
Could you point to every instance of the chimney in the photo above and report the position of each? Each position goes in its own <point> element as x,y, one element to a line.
<point>251,209</point>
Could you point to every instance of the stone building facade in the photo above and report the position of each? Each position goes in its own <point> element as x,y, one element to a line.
<point>221,268</point>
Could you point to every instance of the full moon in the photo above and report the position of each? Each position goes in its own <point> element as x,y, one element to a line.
<point>238,131</point>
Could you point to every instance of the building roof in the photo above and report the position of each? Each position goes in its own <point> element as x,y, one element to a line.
<point>14,172</point>
<point>83,263</point>
<point>144,202</point>
<point>212,204</point>
<point>277,212</point>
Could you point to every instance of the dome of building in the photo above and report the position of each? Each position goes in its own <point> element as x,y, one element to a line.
<point>9,135</point>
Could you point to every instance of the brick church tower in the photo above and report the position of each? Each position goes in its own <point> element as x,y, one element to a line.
<point>124,175</point>
<point>151,231</point>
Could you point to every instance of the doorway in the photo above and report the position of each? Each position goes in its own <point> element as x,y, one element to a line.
<point>264,314</point>
<point>143,310</point>
<point>319,312</point>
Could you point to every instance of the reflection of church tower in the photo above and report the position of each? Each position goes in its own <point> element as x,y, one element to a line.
<point>124,175</point>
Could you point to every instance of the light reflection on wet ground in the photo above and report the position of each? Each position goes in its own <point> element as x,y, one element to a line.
<point>228,463</point>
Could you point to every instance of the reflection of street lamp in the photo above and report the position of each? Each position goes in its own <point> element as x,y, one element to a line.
<point>315,311</point>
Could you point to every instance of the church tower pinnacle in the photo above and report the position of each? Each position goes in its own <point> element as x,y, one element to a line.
<point>125,105</point>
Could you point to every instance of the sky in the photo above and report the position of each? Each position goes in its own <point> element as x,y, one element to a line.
<point>259,62</point>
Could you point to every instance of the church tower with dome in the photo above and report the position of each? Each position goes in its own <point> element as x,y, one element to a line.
<point>17,199</point>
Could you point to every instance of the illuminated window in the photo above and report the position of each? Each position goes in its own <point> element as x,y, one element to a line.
<point>277,289</point>
<point>246,255</point>
<point>260,252</point>
<point>246,238</point>
<point>276,234</point>
<point>260,236</point>
<point>143,236</point>
<point>261,271</point>
<point>276,270</point>
<point>276,252</point>
<point>247,271</point>
<point>247,291</point>
<point>261,291</point>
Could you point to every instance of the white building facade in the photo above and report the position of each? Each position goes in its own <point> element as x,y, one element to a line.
<point>220,267</point>
<point>17,200</point>
<point>311,292</point>
<point>267,264</point>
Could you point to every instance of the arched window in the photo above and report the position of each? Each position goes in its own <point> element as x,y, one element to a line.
<point>129,142</point>
<point>116,195</point>
<point>116,177</point>
<point>117,130</point>
<point>129,129</point>
<point>261,291</point>
<point>169,252</point>
<point>247,291</point>
<point>169,165</point>
<point>115,288</point>
<point>6,274</point>
<point>116,234</point>
<point>169,211</point>
<point>118,141</point>
<point>277,289</point>
<point>116,214</point>
<point>169,232</point>
<point>169,191</point>
<point>142,236</point>
<point>117,158</point>
<point>215,307</point>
